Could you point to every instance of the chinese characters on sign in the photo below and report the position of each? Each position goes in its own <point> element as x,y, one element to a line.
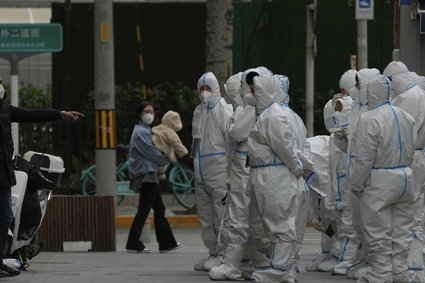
<point>30,38</point>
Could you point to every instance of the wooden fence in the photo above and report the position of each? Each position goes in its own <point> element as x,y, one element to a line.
<point>79,218</point>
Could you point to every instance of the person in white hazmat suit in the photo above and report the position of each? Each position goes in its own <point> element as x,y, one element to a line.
<point>338,111</point>
<point>411,98</point>
<point>322,217</point>
<point>210,162</point>
<point>382,149</point>
<point>235,230</point>
<point>358,94</point>
<point>275,169</point>
<point>303,149</point>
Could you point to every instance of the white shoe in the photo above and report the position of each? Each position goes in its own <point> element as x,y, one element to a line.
<point>326,266</point>
<point>312,266</point>
<point>361,273</point>
<point>225,272</point>
<point>199,266</point>
<point>352,270</point>
<point>215,261</point>
<point>341,268</point>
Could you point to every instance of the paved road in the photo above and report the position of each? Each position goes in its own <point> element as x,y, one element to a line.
<point>106,267</point>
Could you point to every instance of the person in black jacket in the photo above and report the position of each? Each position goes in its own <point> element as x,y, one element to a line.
<point>9,114</point>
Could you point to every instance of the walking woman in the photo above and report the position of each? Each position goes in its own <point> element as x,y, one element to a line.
<point>145,159</point>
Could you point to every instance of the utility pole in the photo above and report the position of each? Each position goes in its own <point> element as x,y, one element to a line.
<point>104,88</point>
<point>67,83</point>
<point>361,44</point>
<point>310,53</point>
<point>14,98</point>
<point>219,39</point>
<point>364,12</point>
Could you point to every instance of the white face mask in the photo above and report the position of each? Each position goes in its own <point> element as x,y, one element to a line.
<point>147,118</point>
<point>354,93</point>
<point>250,99</point>
<point>206,97</point>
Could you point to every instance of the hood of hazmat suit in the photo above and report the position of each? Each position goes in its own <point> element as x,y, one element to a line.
<point>348,80</point>
<point>212,98</point>
<point>281,96</point>
<point>365,76</point>
<point>395,68</point>
<point>233,89</point>
<point>265,86</point>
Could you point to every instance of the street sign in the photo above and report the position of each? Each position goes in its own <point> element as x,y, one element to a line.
<point>364,9</point>
<point>30,38</point>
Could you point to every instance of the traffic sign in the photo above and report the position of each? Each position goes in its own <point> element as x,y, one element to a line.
<point>30,38</point>
<point>364,9</point>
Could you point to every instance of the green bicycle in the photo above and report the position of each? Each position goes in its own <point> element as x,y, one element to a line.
<point>180,178</point>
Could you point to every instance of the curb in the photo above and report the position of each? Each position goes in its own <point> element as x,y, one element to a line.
<point>186,221</point>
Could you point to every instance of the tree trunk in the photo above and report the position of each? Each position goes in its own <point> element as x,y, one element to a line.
<point>219,42</point>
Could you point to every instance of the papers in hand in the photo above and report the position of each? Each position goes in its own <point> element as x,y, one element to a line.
<point>317,191</point>
<point>336,130</point>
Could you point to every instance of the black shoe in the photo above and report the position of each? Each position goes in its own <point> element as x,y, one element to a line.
<point>4,274</point>
<point>139,248</point>
<point>178,246</point>
<point>137,251</point>
<point>9,270</point>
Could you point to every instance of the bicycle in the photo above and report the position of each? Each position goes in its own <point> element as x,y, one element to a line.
<point>88,177</point>
<point>180,178</point>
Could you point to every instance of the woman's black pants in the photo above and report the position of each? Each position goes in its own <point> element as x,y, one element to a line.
<point>150,197</point>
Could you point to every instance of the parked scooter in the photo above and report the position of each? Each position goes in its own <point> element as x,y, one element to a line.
<point>36,176</point>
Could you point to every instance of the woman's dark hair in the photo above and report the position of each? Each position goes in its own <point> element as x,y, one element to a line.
<point>250,77</point>
<point>141,107</point>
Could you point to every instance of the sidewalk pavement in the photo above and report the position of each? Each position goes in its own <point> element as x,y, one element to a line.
<point>120,266</point>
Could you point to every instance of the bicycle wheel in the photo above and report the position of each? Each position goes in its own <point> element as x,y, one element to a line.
<point>182,180</point>
<point>88,177</point>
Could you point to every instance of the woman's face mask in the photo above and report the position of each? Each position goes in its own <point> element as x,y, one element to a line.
<point>354,93</point>
<point>148,118</point>
<point>206,96</point>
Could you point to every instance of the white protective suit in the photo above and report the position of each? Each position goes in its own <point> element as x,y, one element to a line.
<point>322,218</point>
<point>420,80</point>
<point>359,107</point>
<point>303,148</point>
<point>340,195</point>
<point>235,228</point>
<point>411,98</point>
<point>210,162</point>
<point>382,149</point>
<point>275,167</point>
